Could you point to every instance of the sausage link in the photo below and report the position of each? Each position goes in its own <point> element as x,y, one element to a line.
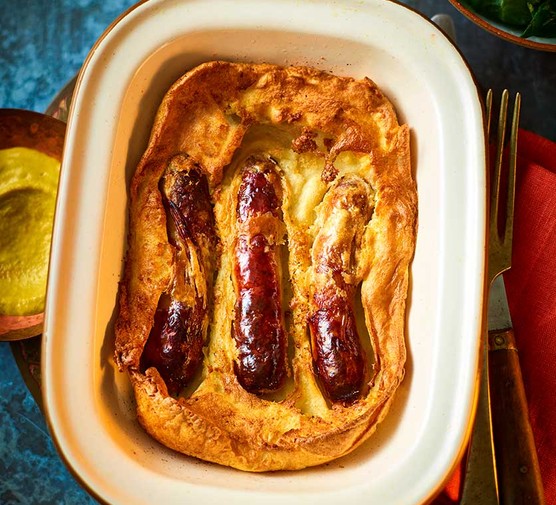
<point>175,343</point>
<point>258,328</point>
<point>338,357</point>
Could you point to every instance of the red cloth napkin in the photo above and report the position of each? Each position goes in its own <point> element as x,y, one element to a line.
<point>531,289</point>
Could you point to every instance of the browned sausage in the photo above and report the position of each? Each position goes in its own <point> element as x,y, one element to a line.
<point>175,343</point>
<point>258,328</point>
<point>338,357</point>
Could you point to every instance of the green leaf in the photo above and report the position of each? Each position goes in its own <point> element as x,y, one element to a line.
<point>515,12</point>
<point>543,22</point>
<point>490,8</point>
<point>474,4</point>
<point>511,12</point>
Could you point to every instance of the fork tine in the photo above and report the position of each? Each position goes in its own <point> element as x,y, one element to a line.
<point>488,113</point>
<point>496,175</point>
<point>512,162</point>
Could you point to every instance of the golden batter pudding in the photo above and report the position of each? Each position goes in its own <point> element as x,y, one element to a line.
<point>272,224</point>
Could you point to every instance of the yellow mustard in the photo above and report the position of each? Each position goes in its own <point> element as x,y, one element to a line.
<point>28,186</point>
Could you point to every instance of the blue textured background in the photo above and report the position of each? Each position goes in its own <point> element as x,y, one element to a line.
<point>42,45</point>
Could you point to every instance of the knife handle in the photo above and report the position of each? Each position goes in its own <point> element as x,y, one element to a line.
<point>519,477</point>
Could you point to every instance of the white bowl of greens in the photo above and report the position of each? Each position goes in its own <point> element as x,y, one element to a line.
<point>530,23</point>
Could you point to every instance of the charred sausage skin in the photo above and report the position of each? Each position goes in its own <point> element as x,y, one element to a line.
<point>339,360</point>
<point>258,328</point>
<point>175,343</point>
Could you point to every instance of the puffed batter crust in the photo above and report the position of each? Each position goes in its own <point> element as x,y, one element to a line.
<point>320,129</point>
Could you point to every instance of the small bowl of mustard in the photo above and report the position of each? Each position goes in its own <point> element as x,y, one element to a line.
<point>31,146</point>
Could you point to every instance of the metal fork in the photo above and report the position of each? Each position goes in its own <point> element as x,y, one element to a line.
<point>500,245</point>
<point>481,483</point>
<point>518,472</point>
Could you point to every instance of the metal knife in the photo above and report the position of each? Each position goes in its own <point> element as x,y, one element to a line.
<point>519,480</point>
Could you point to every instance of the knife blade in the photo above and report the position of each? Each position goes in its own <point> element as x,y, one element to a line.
<point>519,479</point>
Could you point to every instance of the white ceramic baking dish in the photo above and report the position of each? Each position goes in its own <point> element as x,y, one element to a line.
<point>89,403</point>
